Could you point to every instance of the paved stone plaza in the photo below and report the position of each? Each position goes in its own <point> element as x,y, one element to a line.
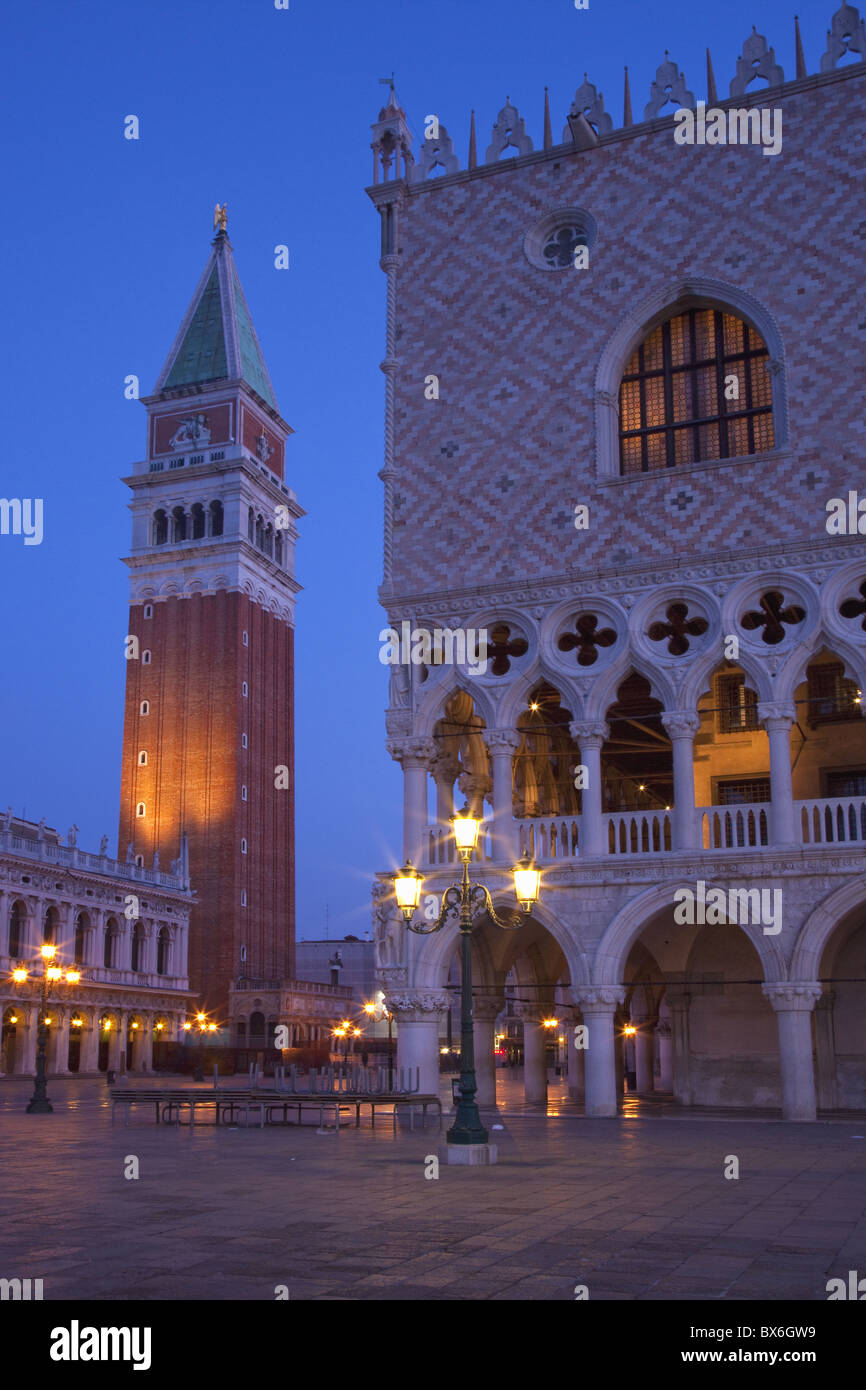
<point>634,1208</point>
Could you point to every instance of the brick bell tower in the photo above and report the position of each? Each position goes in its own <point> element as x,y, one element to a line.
<point>208,745</point>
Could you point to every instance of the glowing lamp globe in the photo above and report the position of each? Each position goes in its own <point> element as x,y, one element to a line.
<point>466,829</point>
<point>407,888</point>
<point>526,881</point>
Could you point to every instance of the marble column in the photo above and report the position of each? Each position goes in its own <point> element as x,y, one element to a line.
<point>534,1056</point>
<point>484,1015</point>
<point>665,1080</point>
<point>502,744</point>
<point>777,718</point>
<point>619,1053</point>
<point>679,1002</point>
<point>793,1002</point>
<point>445,771</point>
<point>576,1065</point>
<point>598,1005</point>
<point>643,1055</point>
<point>682,727</point>
<point>147,1037</point>
<point>825,1052</point>
<point>418,1017</point>
<point>590,735</point>
<point>417,757</point>
<point>89,1061</point>
<point>60,1040</point>
<point>26,1036</point>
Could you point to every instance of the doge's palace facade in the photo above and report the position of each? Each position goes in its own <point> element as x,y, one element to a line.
<point>623,436</point>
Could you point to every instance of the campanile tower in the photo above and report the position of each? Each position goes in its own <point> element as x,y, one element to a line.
<point>208,730</point>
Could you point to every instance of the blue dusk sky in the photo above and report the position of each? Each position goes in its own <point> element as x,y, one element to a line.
<point>104,242</point>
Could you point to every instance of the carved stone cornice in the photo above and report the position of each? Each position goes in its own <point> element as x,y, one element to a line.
<point>793,996</point>
<point>622,579</point>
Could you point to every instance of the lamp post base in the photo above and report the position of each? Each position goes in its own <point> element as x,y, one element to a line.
<point>40,1106</point>
<point>470,1155</point>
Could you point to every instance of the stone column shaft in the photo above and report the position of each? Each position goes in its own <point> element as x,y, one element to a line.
<point>777,720</point>
<point>598,1006</point>
<point>793,1003</point>
<point>682,727</point>
<point>589,736</point>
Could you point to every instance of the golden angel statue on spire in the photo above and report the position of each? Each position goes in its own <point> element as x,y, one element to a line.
<point>220,217</point>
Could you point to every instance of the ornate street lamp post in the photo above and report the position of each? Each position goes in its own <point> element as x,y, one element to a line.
<point>462,900</point>
<point>51,974</point>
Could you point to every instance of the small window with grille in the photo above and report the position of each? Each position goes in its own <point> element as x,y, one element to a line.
<point>846,784</point>
<point>736,706</point>
<point>831,695</point>
<point>742,792</point>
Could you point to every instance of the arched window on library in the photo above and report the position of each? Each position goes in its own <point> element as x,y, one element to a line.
<point>82,926</point>
<point>138,947</point>
<point>17,919</point>
<point>697,389</point>
<point>162,948</point>
<point>112,933</point>
<point>51,926</point>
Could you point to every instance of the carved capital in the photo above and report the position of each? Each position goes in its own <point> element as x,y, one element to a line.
<point>413,752</point>
<point>598,999</point>
<point>589,733</point>
<point>776,714</point>
<point>681,723</point>
<point>501,741</point>
<point>415,1007</point>
<point>789,996</point>
<point>487,1010</point>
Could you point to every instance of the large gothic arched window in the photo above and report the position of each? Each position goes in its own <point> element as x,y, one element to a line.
<point>696,389</point>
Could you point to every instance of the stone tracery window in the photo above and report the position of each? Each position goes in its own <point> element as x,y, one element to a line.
<point>558,252</point>
<point>696,389</point>
<point>586,639</point>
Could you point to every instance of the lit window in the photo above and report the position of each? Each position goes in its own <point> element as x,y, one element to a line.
<point>243,740</point>
<point>246,639</point>
<point>697,388</point>
<point>145,658</point>
<point>243,897</point>
<point>140,809</point>
<point>142,758</point>
<point>243,793</point>
<point>148,610</point>
<point>245,690</point>
<point>243,846</point>
<point>145,707</point>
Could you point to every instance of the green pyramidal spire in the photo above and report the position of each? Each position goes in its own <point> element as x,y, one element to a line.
<point>217,341</point>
